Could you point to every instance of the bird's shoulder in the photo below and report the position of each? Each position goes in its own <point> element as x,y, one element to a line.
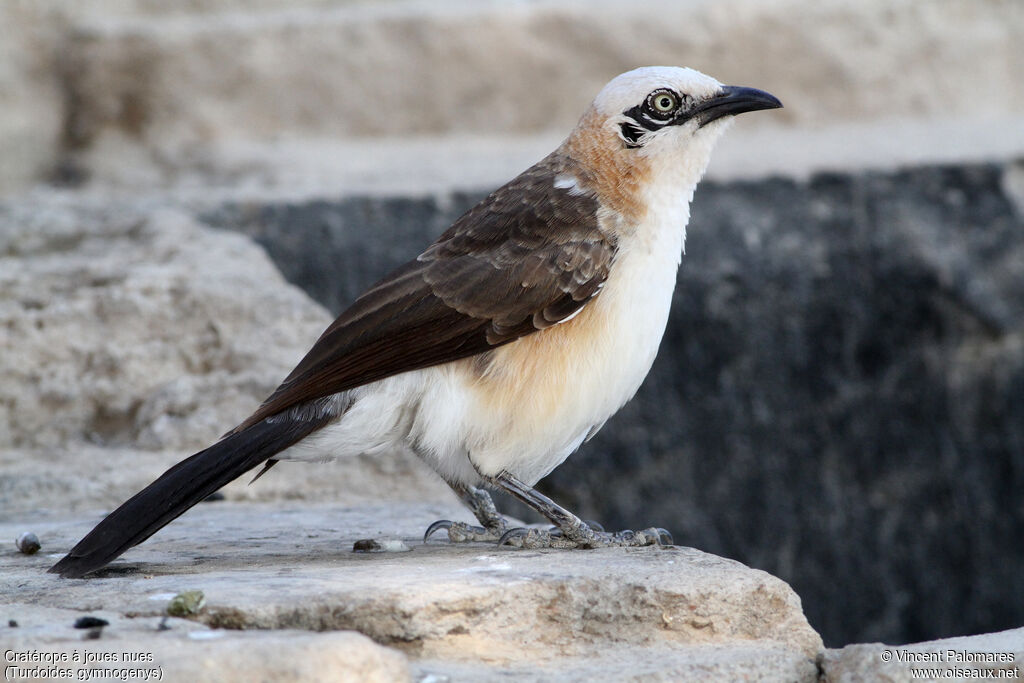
<point>533,251</point>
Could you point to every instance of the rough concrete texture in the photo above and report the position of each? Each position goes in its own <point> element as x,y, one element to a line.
<point>664,613</point>
<point>127,328</point>
<point>79,476</point>
<point>133,93</point>
<point>136,648</point>
<point>117,327</point>
<point>30,96</point>
<point>128,73</point>
<point>992,656</point>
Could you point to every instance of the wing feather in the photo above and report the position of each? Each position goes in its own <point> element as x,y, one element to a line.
<point>527,257</point>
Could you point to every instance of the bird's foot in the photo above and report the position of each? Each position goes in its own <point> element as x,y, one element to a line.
<point>569,531</point>
<point>583,536</point>
<point>460,532</point>
<point>492,525</point>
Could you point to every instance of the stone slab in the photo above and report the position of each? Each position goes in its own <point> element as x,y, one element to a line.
<point>282,568</point>
<point>172,649</point>
<point>991,656</point>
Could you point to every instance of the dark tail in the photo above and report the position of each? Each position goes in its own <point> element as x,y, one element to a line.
<point>178,489</point>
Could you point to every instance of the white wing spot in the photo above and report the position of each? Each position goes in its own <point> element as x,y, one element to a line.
<point>569,183</point>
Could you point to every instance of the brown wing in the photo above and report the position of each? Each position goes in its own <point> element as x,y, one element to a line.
<point>526,257</point>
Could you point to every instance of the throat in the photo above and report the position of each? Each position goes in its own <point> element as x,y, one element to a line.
<point>661,235</point>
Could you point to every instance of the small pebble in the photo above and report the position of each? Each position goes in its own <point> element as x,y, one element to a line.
<point>12,623</point>
<point>387,545</point>
<point>90,622</point>
<point>28,543</point>
<point>186,603</point>
<point>93,625</point>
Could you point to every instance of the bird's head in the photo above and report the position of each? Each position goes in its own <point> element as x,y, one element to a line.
<point>655,109</point>
<point>659,122</point>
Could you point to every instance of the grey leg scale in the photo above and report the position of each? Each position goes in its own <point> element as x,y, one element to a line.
<point>493,525</point>
<point>571,531</point>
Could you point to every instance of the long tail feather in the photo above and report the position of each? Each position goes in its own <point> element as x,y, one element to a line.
<point>178,489</point>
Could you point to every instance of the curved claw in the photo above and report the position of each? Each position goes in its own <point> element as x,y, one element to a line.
<point>433,528</point>
<point>596,526</point>
<point>664,537</point>
<point>518,532</point>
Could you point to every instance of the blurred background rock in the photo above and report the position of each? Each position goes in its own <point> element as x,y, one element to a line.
<point>840,395</point>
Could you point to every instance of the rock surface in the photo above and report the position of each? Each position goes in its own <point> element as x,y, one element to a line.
<point>114,325</point>
<point>219,92</point>
<point>665,613</point>
<point>131,327</point>
<point>127,68</point>
<point>187,651</point>
<point>993,656</point>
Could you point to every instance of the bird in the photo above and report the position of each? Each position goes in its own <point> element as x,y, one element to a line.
<point>503,346</point>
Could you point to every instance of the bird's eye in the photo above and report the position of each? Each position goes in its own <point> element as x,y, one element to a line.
<point>664,101</point>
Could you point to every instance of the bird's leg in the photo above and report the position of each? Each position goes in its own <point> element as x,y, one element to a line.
<point>493,525</point>
<point>571,531</point>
